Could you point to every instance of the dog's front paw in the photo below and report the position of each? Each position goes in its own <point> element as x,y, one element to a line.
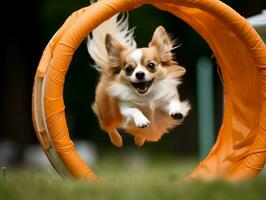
<point>177,116</point>
<point>175,111</point>
<point>178,110</point>
<point>141,121</point>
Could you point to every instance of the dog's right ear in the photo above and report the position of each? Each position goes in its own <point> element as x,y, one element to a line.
<point>113,47</point>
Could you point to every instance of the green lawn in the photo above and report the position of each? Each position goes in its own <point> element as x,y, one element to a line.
<point>127,179</point>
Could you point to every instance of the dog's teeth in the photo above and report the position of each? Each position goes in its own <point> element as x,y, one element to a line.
<point>143,89</point>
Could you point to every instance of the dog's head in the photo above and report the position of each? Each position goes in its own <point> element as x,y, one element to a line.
<point>140,68</point>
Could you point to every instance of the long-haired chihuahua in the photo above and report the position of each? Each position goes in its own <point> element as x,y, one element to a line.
<point>137,90</point>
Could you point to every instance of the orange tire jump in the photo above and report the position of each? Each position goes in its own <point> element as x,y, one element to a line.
<point>240,150</point>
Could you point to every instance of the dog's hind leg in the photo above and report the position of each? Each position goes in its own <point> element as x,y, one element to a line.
<point>139,141</point>
<point>115,138</point>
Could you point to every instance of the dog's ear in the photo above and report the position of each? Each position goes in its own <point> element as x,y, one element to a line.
<point>176,71</point>
<point>180,71</point>
<point>114,50</point>
<point>113,47</point>
<point>162,42</point>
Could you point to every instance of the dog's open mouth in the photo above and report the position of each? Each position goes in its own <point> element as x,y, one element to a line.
<point>143,86</point>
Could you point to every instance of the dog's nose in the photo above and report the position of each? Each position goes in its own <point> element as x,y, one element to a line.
<point>140,75</point>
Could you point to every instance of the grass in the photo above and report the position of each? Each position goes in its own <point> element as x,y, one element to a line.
<point>127,179</point>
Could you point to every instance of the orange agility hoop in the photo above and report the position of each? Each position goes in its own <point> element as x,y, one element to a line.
<point>240,150</point>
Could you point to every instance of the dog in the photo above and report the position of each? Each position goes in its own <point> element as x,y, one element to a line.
<point>137,90</point>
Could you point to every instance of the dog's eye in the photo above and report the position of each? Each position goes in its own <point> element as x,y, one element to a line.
<point>151,66</point>
<point>129,69</point>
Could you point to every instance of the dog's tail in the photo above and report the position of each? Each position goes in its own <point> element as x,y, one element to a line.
<point>116,26</point>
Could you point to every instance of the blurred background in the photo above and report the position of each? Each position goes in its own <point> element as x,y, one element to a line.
<point>28,27</point>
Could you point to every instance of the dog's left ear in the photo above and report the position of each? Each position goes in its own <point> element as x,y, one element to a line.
<point>162,42</point>
<point>176,71</point>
